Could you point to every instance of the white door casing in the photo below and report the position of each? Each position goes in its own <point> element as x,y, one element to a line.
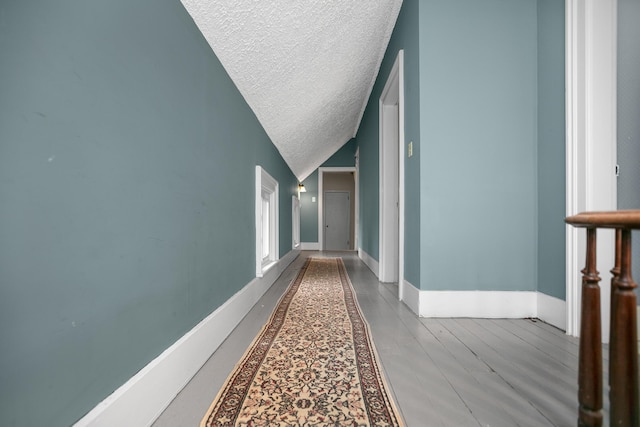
<point>591,37</point>
<point>321,172</point>
<point>391,216</point>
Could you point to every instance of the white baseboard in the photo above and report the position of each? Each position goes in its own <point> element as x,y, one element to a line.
<point>141,400</point>
<point>552,310</point>
<point>310,246</point>
<point>369,261</point>
<point>480,304</point>
<point>486,304</point>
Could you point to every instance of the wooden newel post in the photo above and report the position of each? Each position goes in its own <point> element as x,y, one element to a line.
<point>590,356</point>
<point>624,353</point>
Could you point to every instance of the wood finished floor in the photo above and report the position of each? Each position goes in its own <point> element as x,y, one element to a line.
<point>442,372</point>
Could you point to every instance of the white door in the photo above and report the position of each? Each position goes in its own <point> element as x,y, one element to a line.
<point>336,220</point>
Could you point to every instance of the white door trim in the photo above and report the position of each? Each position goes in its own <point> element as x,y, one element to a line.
<point>321,172</point>
<point>591,37</point>
<point>392,93</point>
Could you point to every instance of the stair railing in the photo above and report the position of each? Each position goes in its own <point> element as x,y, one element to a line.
<point>623,340</point>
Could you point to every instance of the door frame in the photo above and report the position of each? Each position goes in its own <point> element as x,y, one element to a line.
<point>392,93</point>
<point>591,114</point>
<point>321,172</point>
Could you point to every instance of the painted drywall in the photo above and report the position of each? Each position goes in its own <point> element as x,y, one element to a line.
<point>127,162</point>
<point>405,36</point>
<point>478,153</point>
<point>309,210</point>
<point>629,115</point>
<point>551,148</point>
<point>344,157</point>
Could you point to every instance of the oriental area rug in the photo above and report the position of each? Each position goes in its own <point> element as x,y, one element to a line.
<point>313,363</point>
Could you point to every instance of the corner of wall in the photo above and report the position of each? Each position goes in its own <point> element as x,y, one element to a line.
<point>552,310</point>
<point>369,261</point>
<point>411,297</point>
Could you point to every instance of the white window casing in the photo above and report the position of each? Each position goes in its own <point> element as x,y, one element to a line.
<point>295,222</point>
<point>267,219</point>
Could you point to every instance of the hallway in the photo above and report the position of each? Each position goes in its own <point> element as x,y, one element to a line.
<point>443,372</point>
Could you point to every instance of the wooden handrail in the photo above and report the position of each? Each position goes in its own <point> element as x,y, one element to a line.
<point>623,219</point>
<point>623,345</point>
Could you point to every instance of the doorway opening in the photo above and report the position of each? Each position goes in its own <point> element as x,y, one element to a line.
<point>338,208</point>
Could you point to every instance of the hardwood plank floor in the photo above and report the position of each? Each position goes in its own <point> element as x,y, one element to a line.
<point>442,372</point>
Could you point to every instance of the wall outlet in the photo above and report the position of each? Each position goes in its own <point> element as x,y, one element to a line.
<point>410,149</point>
<point>313,199</point>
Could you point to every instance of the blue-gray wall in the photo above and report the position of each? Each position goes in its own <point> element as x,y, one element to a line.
<point>309,210</point>
<point>126,196</point>
<point>344,157</point>
<point>484,87</point>
<point>478,127</point>
<point>405,36</point>
<point>551,148</point>
<point>629,115</point>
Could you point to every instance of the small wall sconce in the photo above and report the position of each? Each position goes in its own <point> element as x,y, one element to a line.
<point>301,188</point>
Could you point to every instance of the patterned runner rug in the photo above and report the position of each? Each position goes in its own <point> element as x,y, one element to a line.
<point>313,363</point>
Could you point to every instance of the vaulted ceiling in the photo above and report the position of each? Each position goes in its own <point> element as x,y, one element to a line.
<point>305,67</point>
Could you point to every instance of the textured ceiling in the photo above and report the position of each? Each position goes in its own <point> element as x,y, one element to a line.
<point>306,68</point>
